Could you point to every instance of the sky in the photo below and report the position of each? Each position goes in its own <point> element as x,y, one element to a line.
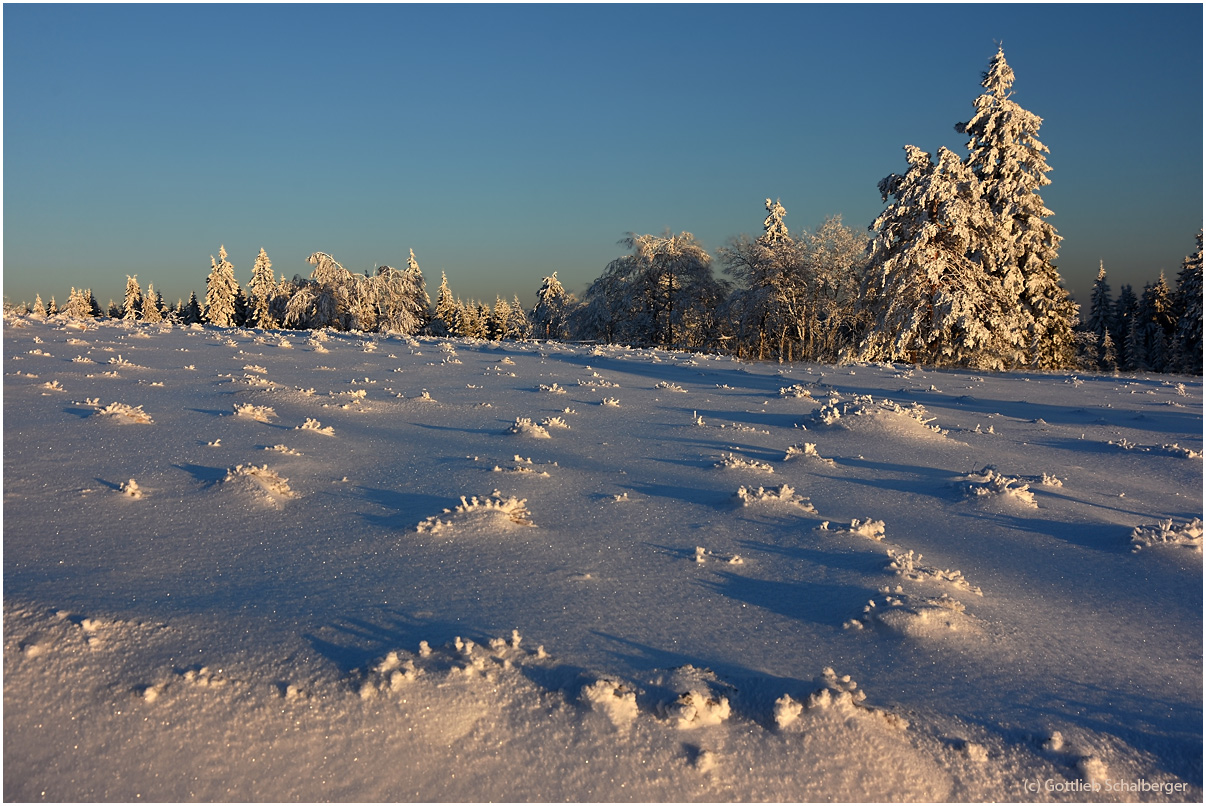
<point>502,143</point>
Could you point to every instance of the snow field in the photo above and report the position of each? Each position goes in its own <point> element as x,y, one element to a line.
<point>265,616</point>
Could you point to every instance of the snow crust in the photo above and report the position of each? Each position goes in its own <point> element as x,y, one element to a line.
<point>397,606</point>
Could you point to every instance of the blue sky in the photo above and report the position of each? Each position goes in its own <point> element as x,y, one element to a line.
<point>503,142</point>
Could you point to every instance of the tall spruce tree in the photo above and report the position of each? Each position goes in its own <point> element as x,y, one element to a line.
<point>1101,322</point>
<point>259,293</point>
<point>1188,307</point>
<point>133,304</point>
<point>221,292</point>
<point>932,291</point>
<point>1010,161</point>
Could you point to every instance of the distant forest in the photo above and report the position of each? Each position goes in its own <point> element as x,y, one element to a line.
<point>957,271</point>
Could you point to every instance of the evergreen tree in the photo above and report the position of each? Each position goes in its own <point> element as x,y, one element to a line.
<point>1124,312</point>
<point>932,291</point>
<point>39,307</point>
<point>519,325</point>
<point>1007,157</point>
<point>1188,305</point>
<point>221,291</point>
<point>550,315</point>
<point>421,304</point>
<point>401,300</point>
<point>114,310</point>
<point>192,310</point>
<point>1101,320</point>
<point>446,314</point>
<point>77,306</point>
<point>133,304</point>
<point>152,305</point>
<point>1160,324</point>
<point>500,318</point>
<point>259,293</point>
<point>52,308</point>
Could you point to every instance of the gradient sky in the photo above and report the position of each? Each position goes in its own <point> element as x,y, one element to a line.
<point>503,143</point>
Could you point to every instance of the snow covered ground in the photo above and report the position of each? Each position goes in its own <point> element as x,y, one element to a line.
<point>247,565</point>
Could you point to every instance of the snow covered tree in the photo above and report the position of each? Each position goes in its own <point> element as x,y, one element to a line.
<point>221,290</point>
<point>52,308</point>
<point>78,306</point>
<point>401,300</point>
<point>518,324</point>
<point>446,314</point>
<point>1188,307</point>
<point>550,315</point>
<point>933,292</point>
<point>113,311</point>
<point>152,305</point>
<point>422,302</point>
<point>260,292</point>
<point>1101,321</point>
<point>332,293</point>
<point>664,291</point>
<point>133,304</point>
<point>773,229</point>
<point>501,318</point>
<point>1007,157</point>
<point>39,307</point>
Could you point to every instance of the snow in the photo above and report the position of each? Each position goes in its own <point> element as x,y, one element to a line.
<point>325,585</point>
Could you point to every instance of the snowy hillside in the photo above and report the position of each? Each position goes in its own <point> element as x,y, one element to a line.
<point>277,565</point>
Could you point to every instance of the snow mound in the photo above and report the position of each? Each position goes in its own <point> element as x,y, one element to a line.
<point>266,485</point>
<point>1165,533</point>
<point>863,413</point>
<point>839,698</point>
<point>124,413</point>
<point>870,529</point>
<point>489,514</point>
<point>806,449</point>
<point>729,461</point>
<point>924,617</point>
<point>908,565</point>
<point>702,554</point>
<point>553,389</point>
<point>668,386</point>
<point>795,390</point>
<point>524,426</point>
<point>988,483</point>
<point>783,495</point>
<point>612,699</point>
<point>130,488</point>
<point>554,422</point>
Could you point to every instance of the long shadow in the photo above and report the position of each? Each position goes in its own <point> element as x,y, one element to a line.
<point>357,641</point>
<point>407,509</point>
<point>207,475</point>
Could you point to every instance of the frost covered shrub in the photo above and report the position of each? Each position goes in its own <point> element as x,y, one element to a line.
<point>492,507</point>
<point>784,494</point>
<point>988,482</point>
<point>524,426</point>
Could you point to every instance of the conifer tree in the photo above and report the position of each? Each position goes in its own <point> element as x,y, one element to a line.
<point>1188,306</point>
<point>77,306</point>
<point>152,305</point>
<point>1009,160</point>
<point>133,304</point>
<point>1101,322</point>
<point>221,291</point>
<point>192,310</point>
<point>422,303</point>
<point>501,318</point>
<point>1124,312</point>
<point>52,308</point>
<point>39,307</point>
<point>550,315</point>
<point>932,291</point>
<point>446,313</point>
<point>519,326</point>
<point>259,293</point>
<point>113,311</point>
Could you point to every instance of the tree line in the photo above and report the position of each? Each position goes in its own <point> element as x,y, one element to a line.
<point>957,271</point>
